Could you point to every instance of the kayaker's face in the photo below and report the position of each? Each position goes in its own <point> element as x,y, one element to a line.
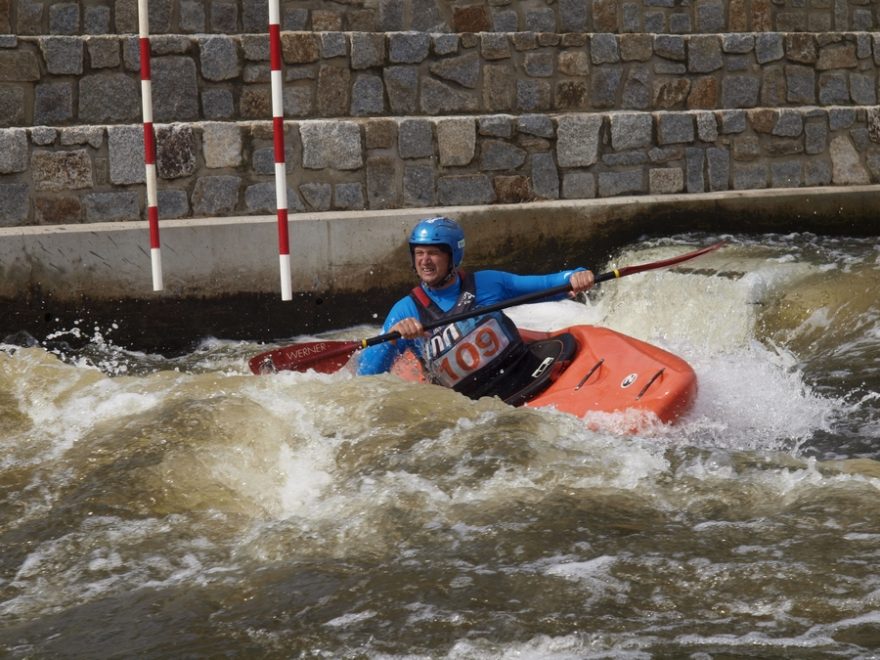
<point>432,264</point>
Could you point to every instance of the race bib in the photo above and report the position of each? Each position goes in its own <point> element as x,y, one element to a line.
<point>454,357</point>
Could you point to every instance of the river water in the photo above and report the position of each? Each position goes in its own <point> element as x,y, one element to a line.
<point>157,507</point>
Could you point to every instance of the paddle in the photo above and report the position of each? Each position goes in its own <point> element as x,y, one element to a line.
<point>329,356</point>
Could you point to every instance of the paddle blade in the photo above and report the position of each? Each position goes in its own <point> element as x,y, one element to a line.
<point>640,268</point>
<point>325,357</point>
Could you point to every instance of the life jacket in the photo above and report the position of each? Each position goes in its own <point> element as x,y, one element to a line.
<point>472,355</point>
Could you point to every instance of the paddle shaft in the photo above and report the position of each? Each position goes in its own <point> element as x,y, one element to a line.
<point>328,356</point>
<point>545,293</point>
<point>488,309</point>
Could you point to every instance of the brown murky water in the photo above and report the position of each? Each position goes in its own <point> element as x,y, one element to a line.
<point>166,508</point>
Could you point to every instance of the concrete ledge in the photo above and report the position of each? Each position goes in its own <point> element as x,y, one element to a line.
<point>345,250</point>
<point>222,276</point>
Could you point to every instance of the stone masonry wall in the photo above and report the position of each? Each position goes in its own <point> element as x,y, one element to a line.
<point>414,103</point>
<point>71,81</point>
<point>94,17</point>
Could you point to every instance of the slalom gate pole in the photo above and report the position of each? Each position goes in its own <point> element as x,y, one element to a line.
<point>278,135</point>
<point>149,144</point>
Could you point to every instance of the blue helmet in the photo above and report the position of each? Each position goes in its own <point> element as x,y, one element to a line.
<point>440,231</point>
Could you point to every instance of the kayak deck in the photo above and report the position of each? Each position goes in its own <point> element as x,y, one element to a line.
<point>613,372</point>
<point>610,372</point>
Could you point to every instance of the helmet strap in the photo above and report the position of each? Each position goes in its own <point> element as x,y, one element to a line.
<point>450,275</point>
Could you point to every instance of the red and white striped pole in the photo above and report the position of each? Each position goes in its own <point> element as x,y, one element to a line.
<point>149,144</point>
<point>278,134</point>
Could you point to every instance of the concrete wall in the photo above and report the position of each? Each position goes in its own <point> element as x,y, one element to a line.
<point>222,275</point>
<point>363,251</point>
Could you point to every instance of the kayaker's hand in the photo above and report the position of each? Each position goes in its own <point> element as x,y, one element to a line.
<point>409,328</point>
<point>581,280</point>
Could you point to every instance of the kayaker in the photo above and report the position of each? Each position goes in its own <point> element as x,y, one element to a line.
<point>474,356</point>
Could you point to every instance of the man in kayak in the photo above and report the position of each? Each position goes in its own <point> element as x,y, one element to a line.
<point>477,356</point>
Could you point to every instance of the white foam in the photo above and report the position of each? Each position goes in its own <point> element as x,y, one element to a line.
<point>104,556</point>
<point>758,640</point>
<point>578,646</point>
<point>583,571</point>
<point>750,395</point>
<point>306,477</point>
<point>349,619</point>
<point>754,398</point>
<point>65,403</point>
<point>550,316</point>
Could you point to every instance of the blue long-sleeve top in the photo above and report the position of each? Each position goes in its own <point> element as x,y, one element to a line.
<point>493,286</point>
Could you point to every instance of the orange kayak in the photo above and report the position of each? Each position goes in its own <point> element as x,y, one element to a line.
<point>606,371</point>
